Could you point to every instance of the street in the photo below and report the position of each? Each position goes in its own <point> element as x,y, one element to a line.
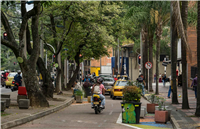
<point>80,116</point>
<point>5,90</point>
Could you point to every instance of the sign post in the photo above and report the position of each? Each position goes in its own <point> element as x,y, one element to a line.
<point>148,65</point>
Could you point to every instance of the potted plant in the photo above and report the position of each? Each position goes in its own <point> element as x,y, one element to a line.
<point>153,102</point>
<point>131,104</point>
<point>161,115</point>
<point>79,96</point>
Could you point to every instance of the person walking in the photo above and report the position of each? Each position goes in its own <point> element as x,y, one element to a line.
<point>163,79</point>
<point>194,84</point>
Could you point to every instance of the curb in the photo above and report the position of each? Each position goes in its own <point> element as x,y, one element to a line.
<point>37,115</point>
<point>174,123</point>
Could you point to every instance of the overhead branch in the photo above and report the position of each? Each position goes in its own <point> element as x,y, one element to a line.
<point>47,45</point>
<point>6,25</point>
<point>10,45</point>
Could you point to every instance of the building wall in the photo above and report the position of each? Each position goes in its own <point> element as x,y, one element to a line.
<point>95,70</point>
<point>192,41</point>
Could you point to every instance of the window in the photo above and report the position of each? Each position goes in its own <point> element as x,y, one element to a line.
<point>121,83</point>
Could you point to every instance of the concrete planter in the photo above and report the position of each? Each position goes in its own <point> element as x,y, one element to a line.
<point>5,96</point>
<point>7,100</point>
<point>79,99</point>
<point>167,109</point>
<point>161,116</point>
<point>24,103</point>
<point>21,97</point>
<point>3,106</point>
<point>151,107</point>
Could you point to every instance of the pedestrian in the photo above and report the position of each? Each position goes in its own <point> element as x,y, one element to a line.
<point>163,79</point>
<point>18,78</point>
<point>100,90</point>
<point>194,84</point>
<point>154,78</point>
<point>141,82</point>
<point>86,87</point>
<point>86,77</point>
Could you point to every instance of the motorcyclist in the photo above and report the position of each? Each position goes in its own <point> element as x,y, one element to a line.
<point>101,93</point>
<point>18,78</point>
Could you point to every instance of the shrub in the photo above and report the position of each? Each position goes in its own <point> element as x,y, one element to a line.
<point>79,93</point>
<point>131,93</point>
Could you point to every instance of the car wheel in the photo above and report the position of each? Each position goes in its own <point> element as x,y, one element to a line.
<point>6,86</point>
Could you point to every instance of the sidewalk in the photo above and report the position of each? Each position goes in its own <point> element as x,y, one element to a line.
<point>14,116</point>
<point>181,118</point>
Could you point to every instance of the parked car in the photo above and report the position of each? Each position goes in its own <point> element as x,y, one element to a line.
<point>9,79</point>
<point>3,82</point>
<point>108,83</point>
<point>116,90</point>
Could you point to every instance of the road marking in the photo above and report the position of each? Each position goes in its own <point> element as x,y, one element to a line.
<point>119,121</point>
<point>111,113</point>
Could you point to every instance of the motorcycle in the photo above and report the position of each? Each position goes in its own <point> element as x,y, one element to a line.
<point>97,103</point>
<point>14,86</point>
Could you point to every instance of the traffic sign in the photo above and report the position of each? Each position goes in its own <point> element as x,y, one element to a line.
<point>148,65</point>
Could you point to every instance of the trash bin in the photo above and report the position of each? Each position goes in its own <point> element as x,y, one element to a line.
<point>131,112</point>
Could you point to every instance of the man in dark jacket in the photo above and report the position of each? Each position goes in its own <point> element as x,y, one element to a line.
<point>18,78</point>
<point>194,84</point>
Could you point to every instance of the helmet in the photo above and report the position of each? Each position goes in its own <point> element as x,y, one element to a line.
<point>100,80</point>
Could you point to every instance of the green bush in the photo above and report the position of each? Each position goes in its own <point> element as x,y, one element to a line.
<point>79,93</point>
<point>131,93</point>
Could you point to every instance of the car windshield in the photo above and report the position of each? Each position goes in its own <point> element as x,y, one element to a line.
<point>121,83</point>
<point>108,79</point>
<point>11,74</point>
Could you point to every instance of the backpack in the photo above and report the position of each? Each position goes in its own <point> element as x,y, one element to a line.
<point>97,89</point>
<point>86,84</point>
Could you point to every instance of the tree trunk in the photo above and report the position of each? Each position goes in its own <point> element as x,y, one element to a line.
<point>71,81</point>
<point>197,113</point>
<point>147,58</point>
<point>151,60</point>
<point>144,57</point>
<point>174,38</point>
<point>121,62</point>
<point>116,62</point>
<point>158,37</point>
<point>37,99</point>
<point>184,14</point>
<point>47,86</point>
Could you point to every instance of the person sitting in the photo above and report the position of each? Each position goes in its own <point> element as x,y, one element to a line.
<point>75,88</point>
<point>100,90</point>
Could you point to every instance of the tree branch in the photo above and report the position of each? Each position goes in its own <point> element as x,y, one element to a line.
<point>11,46</point>
<point>47,45</point>
<point>6,25</point>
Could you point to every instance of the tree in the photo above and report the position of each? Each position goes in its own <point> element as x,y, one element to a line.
<point>184,14</point>
<point>197,113</point>
<point>27,65</point>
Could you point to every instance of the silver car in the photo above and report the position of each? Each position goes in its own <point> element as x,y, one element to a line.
<point>108,82</point>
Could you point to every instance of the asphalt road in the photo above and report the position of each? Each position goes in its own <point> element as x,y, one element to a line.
<point>5,90</point>
<point>80,117</point>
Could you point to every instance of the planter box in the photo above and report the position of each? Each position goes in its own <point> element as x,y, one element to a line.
<point>5,96</point>
<point>21,97</point>
<point>24,103</point>
<point>79,99</point>
<point>161,116</point>
<point>167,109</point>
<point>3,106</point>
<point>131,112</point>
<point>151,107</point>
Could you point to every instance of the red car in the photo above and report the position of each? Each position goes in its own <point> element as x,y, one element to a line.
<point>2,82</point>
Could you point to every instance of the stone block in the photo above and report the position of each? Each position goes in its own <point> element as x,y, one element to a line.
<point>21,97</point>
<point>143,111</point>
<point>24,103</point>
<point>7,100</point>
<point>5,96</point>
<point>3,106</point>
